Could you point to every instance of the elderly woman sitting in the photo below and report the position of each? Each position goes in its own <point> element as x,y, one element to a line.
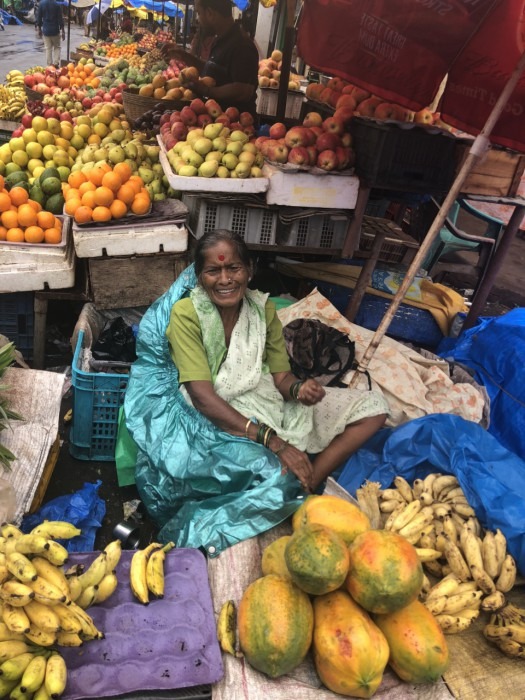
<point>236,413</point>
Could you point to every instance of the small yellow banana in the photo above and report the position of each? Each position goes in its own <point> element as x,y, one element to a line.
<point>8,650</point>
<point>106,587</point>
<point>406,515</point>
<point>6,687</point>
<point>471,548</point>
<point>449,528</point>
<point>4,571</point>
<point>46,592</point>
<point>500,542</point>
<point>404,488</point>
<point>488,552</point>
<point>56,554</point>
<point>34,675</point>
<point>391,505</point>
<point>113,554</point>
<point>451,624</point>
<point>43,616</point>
<point>21,567</point>
<point>40,637</point>
<point>15,619</point>
<point>426,554</point>
<point>56,530</point>
<point>16,593</point>
<point>392,495</point>
<point>456,603</point>
<point>51,573</point>
<point>95,572</point>
<point>87,597</point>
<point>428,481</point>
<point>69,622</point>
<point>456,561</point>
<point>32,544</point>
<point>226,628</point>
<point>13,668</point>
<point>417,487</point>
<point>75,587</point>
<point>412,530</point>
<point>493,602</point>
<point>9,530</point>
<point>483,580</point>
<point>69,639</point>
<point>56,676</point>
<point>441,482</point>
<point>89,629</point>
<point>6,634</point>
<point>436,605</point>
<point>507,577</point>
<point>155,570</point>
<point>137,573</point>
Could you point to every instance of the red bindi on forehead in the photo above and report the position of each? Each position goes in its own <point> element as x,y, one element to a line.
<point>220,257</point>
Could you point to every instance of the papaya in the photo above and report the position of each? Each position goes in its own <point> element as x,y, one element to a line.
<point>275,624</point>
<point>350,651</point>
<point>317,559</point>
<point>339,515</point>
<point>385,573</point>
<point>418,648</point>
<point>55,204</point>
<point>273,561</point>
<point>49,172</point>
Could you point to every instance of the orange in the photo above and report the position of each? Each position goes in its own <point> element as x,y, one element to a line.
<point>3,233</point>
<point>140,204</point>
<point>72,193</point>
<point>88,199</point>
<point>2,182</point>
<point>53,235</point>
<point>76,179</point>
<point>18,196</point>
<point>83,214</point>
<point>9,219</point>
<point>95,175</point>
<point>70,207</point>
<point>34,234</point>
<point>126,194</point>
<point>136,182</point>
<point>86,187</point>
<point>94,138</point>
<point>36,205</point>
<point>118,209</point>
<point>45,219</point>
<point>5,201</point>
<point>15,235</point>
<point>123,171</point>
<point>103,195</point>
<point>112,180</point>
<point>58,224</point>
<point>101,214</point>
<point>26,215</point>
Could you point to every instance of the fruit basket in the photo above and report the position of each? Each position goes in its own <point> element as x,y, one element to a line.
<point>33,94</point>
<point>135,105</point>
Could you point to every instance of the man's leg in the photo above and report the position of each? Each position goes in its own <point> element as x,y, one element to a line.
<point>48,45</point>
<point>56,50</point>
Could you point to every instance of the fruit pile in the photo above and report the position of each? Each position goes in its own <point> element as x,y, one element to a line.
<point>333,585</point>
<point>12,96</point>
<point>24,221</point>
<point>117,50</point>
<point>53,80</point>
<point>104,193</point>
<point>322,143</point>
<point>174,68</point>
<point>269,73</point>
<point>43,608</point>
<point>149,41</point>
<point>146,573</point>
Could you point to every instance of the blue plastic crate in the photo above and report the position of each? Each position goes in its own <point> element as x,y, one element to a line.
<point>17,317</point>
<point>409,323</point>
<point>97,397</point>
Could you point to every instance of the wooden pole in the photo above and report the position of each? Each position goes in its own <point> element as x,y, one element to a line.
<point>365,276</point>
<point>68,29</point>
<point>478,149</point>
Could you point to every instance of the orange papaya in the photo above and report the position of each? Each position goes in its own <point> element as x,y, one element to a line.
<point>339,515</point>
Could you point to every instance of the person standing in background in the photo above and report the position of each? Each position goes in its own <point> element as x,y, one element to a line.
<point>50,24</point>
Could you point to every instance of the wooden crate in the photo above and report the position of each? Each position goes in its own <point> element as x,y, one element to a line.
<point>498,174</point>
<point>133,281</point>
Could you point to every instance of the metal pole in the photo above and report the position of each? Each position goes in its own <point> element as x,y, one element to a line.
<point>185,37</point>
<point>68,29</point>
<point>99,18</point>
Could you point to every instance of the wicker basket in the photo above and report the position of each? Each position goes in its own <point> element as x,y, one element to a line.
<point>33,94</point>
<point>136,105</point>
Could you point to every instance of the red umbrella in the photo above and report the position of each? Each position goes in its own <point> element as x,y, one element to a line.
<point>401,50</point>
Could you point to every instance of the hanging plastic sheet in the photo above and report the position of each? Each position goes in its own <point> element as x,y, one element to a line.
<point>494,350</point>
<point>203,487</point>
<point>491,476</point>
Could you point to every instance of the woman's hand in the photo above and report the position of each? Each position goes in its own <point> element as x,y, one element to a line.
<point>298,463</point>
<point>310,392</point>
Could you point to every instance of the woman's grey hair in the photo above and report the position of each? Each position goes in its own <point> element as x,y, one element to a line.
<point>211,239</point>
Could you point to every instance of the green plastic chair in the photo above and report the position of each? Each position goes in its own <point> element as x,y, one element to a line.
<point>452,239</point>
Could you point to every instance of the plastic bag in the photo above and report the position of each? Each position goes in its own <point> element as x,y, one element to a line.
<point>125,453</point>
<point>117,342</point>
<point>491,476</point>
<point>83,508</point>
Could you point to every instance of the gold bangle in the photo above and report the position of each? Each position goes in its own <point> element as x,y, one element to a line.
<point>248,423</point>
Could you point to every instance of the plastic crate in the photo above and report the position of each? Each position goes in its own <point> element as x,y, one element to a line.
<point>257,225</point>
<point>267,103</point>
<point>397,246</point>
<point>97,398</point>
<point>409,323</point>
<point>377,207</point>
<point>317,231</point>
<point>17,318</point>
<point>402,155</point>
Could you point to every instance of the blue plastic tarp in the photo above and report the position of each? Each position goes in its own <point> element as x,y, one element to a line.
<point>494,349</point>
<point>492,477</point>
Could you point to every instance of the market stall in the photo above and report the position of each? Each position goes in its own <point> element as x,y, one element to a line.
<point>117,164</point>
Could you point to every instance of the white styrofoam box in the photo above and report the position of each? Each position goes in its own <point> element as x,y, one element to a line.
<point>211,184</point>
<point>157,238</point>
<point>303,189</point>
<point>25,252</point>
<point>267,102</point>
<point>44,272</point>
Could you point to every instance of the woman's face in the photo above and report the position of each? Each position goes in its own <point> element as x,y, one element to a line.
<point>224,276</point>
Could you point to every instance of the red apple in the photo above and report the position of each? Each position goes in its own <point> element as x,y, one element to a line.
<point>327,160</point>
<point>334,98</point>
<point>346,139</point>
<point>312,155</point>
<point>17,132</point>
<point>347,101</point>
<point>66,117</point>
<point>96,100</point>
<point>313,119</point>
<point>119,98</point>
<point>29,80</point>
<point>179,131</point>
<point>107,97</point>
<point>213,108</point>
<point>245,119</point>
<point>50,81</point>
<point>175,117</point>
<point>386,110</point>
<point>204,119</point>
<point>277,130</point>
<point>424,116</point>
<point>360,95</point>
<point>233,114</point>
<point>327,141</point>
<point>333,125</point>
<point>249,130</point>
<point>298,155</point>
<point>234,126</point>
<point>277,153</point>
<point>198,106</point>
<point>368,107</point>
<point>188,116</point>
<point>164,118</point>
<point>223,119</point>
<point>259,141</point>
<point>297,136</point>
<point>51,114</point>
<point>39,77</point>
<point>343,157</point>
<point>27,120</point>
<point>169,142</point>
<point>344,114</point>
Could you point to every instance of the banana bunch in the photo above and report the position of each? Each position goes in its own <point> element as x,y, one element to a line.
<point>12,101</point>
<point>99,581</point>
<point>506,629</point>
<point>226,628</point>
<point>36,673</point>
<point>146,573</point>
<point>35,69</point>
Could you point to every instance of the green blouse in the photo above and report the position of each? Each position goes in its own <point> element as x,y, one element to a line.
<point>187,349</point>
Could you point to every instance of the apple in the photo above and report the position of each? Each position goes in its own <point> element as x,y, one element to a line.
<point>164,119</point>
<point>313,119</point>
<point>66,117</point>
<point>233,114</point>
<point>204,119</point>
<point>277,153</point>
<point>344,114</point>
<point>299,136</point>
<point>246,119</point>
<point>17,132</point>
<point>27,120</point>
<point>386,110</point>
<point>260,140</point>
<point>277,130</point>
<point>334,98</point>
<point>298,155</point>
<point>343,157</point>
<point>346,139</point>
<point>213,108</point>
<point>29,80</point>
<point>312,154</point>
<point>188,116</point>
<point>327,141</point>
<point>198,106</point>
<point>223,119</point>
<point>175,117</point>
<point>249,130</point>
<point>263,81</point>
<point>333,125</point>
<point>359,94</point>
<point>179,131</point>
<point>368,107</point>
<point>424,116</point>
<point>327,160</point>
<point>346,101</point>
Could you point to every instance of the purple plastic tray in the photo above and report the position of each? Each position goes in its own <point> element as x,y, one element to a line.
<point>170,643</point>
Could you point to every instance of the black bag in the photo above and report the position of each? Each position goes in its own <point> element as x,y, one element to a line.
<point>319,351</point>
